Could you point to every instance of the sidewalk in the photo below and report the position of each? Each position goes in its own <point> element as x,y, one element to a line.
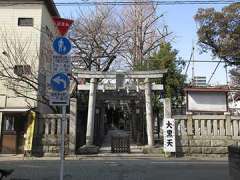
<point>109,156</point>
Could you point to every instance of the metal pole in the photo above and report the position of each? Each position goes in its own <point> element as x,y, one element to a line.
<point>62,142</point>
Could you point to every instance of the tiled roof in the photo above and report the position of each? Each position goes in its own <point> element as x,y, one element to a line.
<point>208,89</point>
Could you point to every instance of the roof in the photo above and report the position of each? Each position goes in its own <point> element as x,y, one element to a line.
<point>49,3</point>
<point>52,8</point>
<point>206,89</point>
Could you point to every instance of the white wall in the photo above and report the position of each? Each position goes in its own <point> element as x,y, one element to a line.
<point>34,37</point>
<point>20,36</point>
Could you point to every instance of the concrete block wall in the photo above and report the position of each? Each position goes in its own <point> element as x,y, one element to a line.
<point>195,145</point>
<point>50,136</point>
<point>206,134</point>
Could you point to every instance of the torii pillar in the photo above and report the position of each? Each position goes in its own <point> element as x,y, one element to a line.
<point>91,112</point>
<point>89,147</point>
<point>149,112</point>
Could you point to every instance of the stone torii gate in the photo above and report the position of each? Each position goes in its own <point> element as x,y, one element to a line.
<point>93,86</point>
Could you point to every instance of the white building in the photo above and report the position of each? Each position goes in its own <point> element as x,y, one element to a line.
<point>25,33</point>
<point>200,81</point>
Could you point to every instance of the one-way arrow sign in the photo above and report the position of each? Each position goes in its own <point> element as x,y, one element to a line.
<point>60,82</point>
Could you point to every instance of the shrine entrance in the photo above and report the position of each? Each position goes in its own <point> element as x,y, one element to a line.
<point>115,102</point>
<point>117,117</point>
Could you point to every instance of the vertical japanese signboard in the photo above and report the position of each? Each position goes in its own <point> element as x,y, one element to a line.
<point>169,135</point>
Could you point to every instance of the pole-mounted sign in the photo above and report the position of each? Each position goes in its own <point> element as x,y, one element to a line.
<point>62,24</point>
<point>62,45</point>
<point>59,81</point>
<point>61,64</point>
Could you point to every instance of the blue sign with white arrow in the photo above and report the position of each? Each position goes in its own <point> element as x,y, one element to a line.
<point>60,82</point>
<point>62,45</point>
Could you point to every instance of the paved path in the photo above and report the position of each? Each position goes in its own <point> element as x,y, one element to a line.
<point>150,169</point>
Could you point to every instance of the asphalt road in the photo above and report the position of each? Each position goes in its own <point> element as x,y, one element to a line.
<point>143,169</point>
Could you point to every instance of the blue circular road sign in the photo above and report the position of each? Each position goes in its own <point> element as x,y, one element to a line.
<point>60,82</point>
<point>62,45</point>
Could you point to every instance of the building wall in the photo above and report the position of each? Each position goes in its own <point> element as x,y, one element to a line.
<point>36,40</point>
<point>32,44</point>
<point>48,34</point>
<point>16,36</point>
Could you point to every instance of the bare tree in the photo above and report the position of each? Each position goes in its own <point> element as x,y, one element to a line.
<point>146,34</point>
<point>23,68</point>
<point>99,37</point>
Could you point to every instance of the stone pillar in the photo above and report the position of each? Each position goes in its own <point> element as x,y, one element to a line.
<point>228,123</point>
<point>1,117</point>
<point>91,112</point>
<point>189,123</point>
<point>72,125</point>
<point>149,112</point>
<point>167,113</point>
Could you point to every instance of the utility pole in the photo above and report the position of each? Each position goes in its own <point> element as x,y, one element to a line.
<point>193,64</point>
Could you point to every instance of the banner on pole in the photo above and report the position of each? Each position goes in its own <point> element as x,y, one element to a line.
<point>169,135</point>
<point>30,131</point>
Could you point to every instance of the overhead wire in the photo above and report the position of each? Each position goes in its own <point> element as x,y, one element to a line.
<point>214,72</point>
<point>123,3</point>
<point>92,3</point>
<point>197,61</point>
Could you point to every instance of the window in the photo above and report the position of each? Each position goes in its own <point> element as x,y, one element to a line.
<point>21,70</point>
<point>25,21</point>
<point>8,123</point>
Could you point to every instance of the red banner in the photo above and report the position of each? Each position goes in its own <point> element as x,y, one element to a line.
<point>62,24</point>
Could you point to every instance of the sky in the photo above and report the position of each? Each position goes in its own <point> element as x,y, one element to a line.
<point>179,19</point>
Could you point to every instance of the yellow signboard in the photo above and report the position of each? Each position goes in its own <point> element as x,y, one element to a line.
<point>30,131</point>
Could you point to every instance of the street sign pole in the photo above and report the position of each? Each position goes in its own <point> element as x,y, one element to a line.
<point>60,81</point>
<point>63,122</point>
